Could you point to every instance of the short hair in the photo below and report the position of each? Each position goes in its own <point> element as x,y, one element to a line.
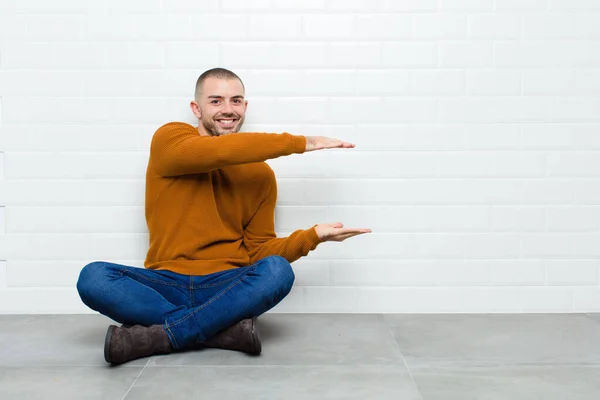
<point>219,73</point>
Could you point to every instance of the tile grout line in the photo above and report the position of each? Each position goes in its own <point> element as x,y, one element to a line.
<point>402,355</point>
<point>136,378</point>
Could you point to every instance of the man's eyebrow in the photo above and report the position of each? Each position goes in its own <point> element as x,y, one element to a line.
<point>214,96</point>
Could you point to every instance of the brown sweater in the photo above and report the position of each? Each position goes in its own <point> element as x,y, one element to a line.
<point>210,201</point>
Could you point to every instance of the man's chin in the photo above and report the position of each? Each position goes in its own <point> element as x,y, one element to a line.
<point>219,131</point>
<point>226,132</point>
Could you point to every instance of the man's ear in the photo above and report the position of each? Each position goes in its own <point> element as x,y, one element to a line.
<point>196,109</point>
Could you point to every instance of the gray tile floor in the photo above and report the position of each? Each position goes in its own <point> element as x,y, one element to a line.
<point>318,356</point>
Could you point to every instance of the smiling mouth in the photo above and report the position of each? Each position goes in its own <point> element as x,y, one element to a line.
<point>227,123</point>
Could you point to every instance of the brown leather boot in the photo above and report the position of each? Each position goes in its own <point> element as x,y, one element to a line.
<point>242,336</point>
<point>126,344</point>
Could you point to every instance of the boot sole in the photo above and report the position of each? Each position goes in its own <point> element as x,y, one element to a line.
<point>109,333</point>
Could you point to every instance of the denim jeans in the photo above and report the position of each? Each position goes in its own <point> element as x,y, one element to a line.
<point>191,308</point>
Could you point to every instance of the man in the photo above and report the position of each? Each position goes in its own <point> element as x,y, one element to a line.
<point>214,262</point>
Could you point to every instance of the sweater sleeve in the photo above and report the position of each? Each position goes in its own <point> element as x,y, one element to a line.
<point>178,149</point>
<point>260,239</point>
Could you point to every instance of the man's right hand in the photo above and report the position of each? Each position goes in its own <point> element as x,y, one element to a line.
<point>322,142</point>
<point>336,232</point>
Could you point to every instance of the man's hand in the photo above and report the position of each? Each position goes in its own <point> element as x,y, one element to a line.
<point>336,232</point>
<point>322,142</point>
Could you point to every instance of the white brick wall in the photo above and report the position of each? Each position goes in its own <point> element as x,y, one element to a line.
<point>476,123</point>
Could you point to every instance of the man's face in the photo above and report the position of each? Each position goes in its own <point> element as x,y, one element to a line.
<point>221,106</point>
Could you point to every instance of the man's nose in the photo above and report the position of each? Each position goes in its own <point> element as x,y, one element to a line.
<point>227,108</point>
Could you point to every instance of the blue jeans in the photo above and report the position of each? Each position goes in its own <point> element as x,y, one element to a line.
<point>191,308</point>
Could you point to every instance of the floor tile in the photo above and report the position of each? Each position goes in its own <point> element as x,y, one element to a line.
<point>497,339</point>
<point>520,383</point>
<point>594,316</point>
<point>275,382</point>
<point>54,340</point>
<point>307,339</point>
<point>78,383</point>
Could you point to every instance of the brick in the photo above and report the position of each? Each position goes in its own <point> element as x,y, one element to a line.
<point>561,26</point>
<point>381,26</point>
<point>327,83</point>
<point>330,299</point>
<point>517,272</point>
<point>545,299</point>
<point>354,55</point>
<point>192,5</point>
<point>490,164</point>
<point>48,27</point>
<point>439,26</point>
<point>85,110</point>
<point>586,244</point>
<point>574,5</point>
<point>489,299</point>
<point>341,165</point>
<point>56,192</point>
<point>163,28</point>
<point>466,54</point>
<point>547,245</point>
<point>219,27</point>
<point>494,26</point>
<point>546,191</point>
<point>575,109</point>
<point>329,26</point>
<point>311,272</point>
<point>76,220</point>
<point>179,55</point>
<point>573,218</point>
<point>47,273</point>
<point>553,136</point>
<point>409,273</point>
<point>290,218</point>
<point>414,218</point>
<point>3,275</point>
<point>273,82</point>
<point>466,5</point>
<point>400,54</point>
<point>587,191</point>
<point>75,165</point>
<point>410,5</point>
<point>586,299</point>
<point>573,164</point>
<point>355,5</point>
<point>493,136</point>
<point>493,109</point>
<point>547,54</point>
<point>299,5</point>
<point>409,299</point>
<point>548,81</point>
<point>493,82</point>
<point>436,82</point>
<point>2,220</point>
<point>298,55</point>
<point>518,218</point>
<point>78,137</point>
<point>521,5</point>
<point>274,27</point>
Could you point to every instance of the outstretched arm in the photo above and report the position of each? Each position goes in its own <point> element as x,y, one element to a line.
<point>178,149</point>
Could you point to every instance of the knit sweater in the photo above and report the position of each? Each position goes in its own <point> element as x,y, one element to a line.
<point>210,200</point>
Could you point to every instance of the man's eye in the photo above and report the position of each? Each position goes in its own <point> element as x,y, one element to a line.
<point>214,102</point>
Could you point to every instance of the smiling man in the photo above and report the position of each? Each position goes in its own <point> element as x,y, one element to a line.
<point>214,263</point>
